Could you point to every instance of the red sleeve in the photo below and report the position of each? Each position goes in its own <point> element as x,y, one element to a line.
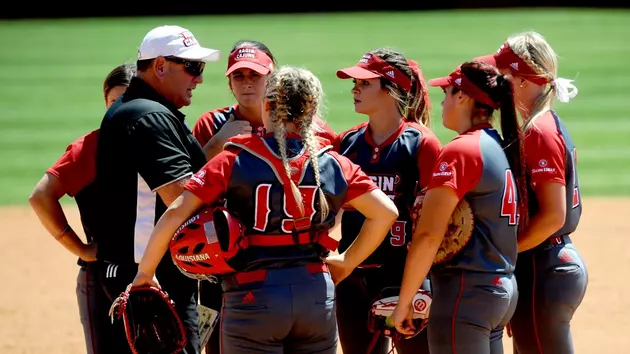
<point>546,152</point>
<point>430,148</point>
<point>76,168</point>
<point>211,181</point>
<point>459,165</point>
<point>203,130</point>
<point>358,182</point>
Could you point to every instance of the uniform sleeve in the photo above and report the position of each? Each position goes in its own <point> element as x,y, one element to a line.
<point>459,166</point>
<point>358,182</point>
<point>160,153</point>
<point>212,180</point>
<point>76,168</point>
<point>203,129</point>
<point>429,148</point>
<point>545,155</point>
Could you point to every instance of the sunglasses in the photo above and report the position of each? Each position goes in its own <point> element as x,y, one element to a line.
<point>194,68</point>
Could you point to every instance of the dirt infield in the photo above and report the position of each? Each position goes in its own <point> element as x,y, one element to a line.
<point>38,309</point>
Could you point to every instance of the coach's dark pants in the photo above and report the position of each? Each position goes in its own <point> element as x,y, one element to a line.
<point>470,311</point>
<point>552,281</point>
<point>291,310</point>
<point>355,296</point>
<point>182,290</point>
<point>93,308</point>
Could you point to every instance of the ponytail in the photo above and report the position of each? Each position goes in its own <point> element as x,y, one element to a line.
<point>419,106</point>
<point>513,144</point>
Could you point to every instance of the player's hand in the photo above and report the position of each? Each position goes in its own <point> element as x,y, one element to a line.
<point>88,252</point>
<point>233,128</point>
<point>339,269</point>
<point>402,318</point>
<point>142,279</point>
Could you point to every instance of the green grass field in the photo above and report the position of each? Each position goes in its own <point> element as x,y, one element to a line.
<point>51,74</point>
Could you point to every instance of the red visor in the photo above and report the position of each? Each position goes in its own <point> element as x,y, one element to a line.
<point>249,58</point>
<point>505,58</point>
<point>372,67</point>
<point>458,79</point>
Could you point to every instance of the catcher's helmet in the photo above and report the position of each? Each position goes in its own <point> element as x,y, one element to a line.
<point>202,246</point>
<point>383,306</point>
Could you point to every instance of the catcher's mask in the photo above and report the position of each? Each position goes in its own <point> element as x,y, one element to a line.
<point>383,307</point>
<point>203,245</point>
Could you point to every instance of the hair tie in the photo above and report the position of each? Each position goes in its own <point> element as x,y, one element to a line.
<point>565,90</point>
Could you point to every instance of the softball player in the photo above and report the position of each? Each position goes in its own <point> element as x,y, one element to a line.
<point>249,64</point>
<point>73,174</point>
<point>552,277</point>
<point>286,188</point>
<point>475,293</point>
<point>397,150</point>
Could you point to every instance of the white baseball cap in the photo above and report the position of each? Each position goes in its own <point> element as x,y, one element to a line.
<point>165,41</point>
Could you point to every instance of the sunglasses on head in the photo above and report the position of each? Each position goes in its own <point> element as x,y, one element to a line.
<point>194,68</point>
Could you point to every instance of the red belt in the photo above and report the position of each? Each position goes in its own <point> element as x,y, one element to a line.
<point>261,274</point>
<point>303,238</point>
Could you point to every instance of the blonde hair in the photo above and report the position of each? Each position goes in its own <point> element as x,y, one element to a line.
<point>295,95</point>
<point>533,49</point>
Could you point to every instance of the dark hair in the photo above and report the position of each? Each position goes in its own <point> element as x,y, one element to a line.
<point>489,80</point>
<point>119,76</point>
<point>415,104</point>
<point>254,44</point>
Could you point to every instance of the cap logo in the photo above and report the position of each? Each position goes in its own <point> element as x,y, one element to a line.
<point>189,39</point>
<point>514,66</point>
<point>458,81</point>
<point>365,58</point>
<point>245,53</point>
<point>390,73</point>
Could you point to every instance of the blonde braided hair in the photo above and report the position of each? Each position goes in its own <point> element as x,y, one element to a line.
<point>295,95</point>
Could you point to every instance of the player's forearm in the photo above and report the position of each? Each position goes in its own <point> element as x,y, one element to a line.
<point>52,217</point>
<point>161,236</point>
<point>418,264</point>
<point>213,147</point>
<point>539,228</point>
<point>372,234</point>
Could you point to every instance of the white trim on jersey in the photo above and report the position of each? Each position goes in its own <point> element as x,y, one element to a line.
<point>145,218</point>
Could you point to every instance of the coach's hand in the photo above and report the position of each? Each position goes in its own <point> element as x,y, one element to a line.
<point>339,269</point>
<point>233,128</point>
<point>145,279</point>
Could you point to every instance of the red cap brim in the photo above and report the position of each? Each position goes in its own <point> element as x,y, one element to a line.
<point>356,72</point>
<point>440,82</point>
<point>488,59</point>
<point>261,69</point>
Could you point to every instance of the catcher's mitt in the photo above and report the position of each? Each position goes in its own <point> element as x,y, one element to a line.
<point>151,323</point>
<point>460,227</point>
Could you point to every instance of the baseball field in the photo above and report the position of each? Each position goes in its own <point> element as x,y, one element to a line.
<point>51,74</point>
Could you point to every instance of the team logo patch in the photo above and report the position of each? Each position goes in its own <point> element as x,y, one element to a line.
<point>542,163</point>
<point>443,166</point>
<point>419,305</point>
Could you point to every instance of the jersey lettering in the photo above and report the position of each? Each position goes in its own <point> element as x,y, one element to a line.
<point>388,184</point>
<point>262,207</point>
<point>576,189</point>
<point>509,203</point>
<point>398,233</point>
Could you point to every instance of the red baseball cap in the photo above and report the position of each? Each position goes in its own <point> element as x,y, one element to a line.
<point>459,80</point>
<point>371,67</point>
<point>250,58</point>
<point>505,58</point>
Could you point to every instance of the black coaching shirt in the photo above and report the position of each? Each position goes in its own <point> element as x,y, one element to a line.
<point>143,144</point>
